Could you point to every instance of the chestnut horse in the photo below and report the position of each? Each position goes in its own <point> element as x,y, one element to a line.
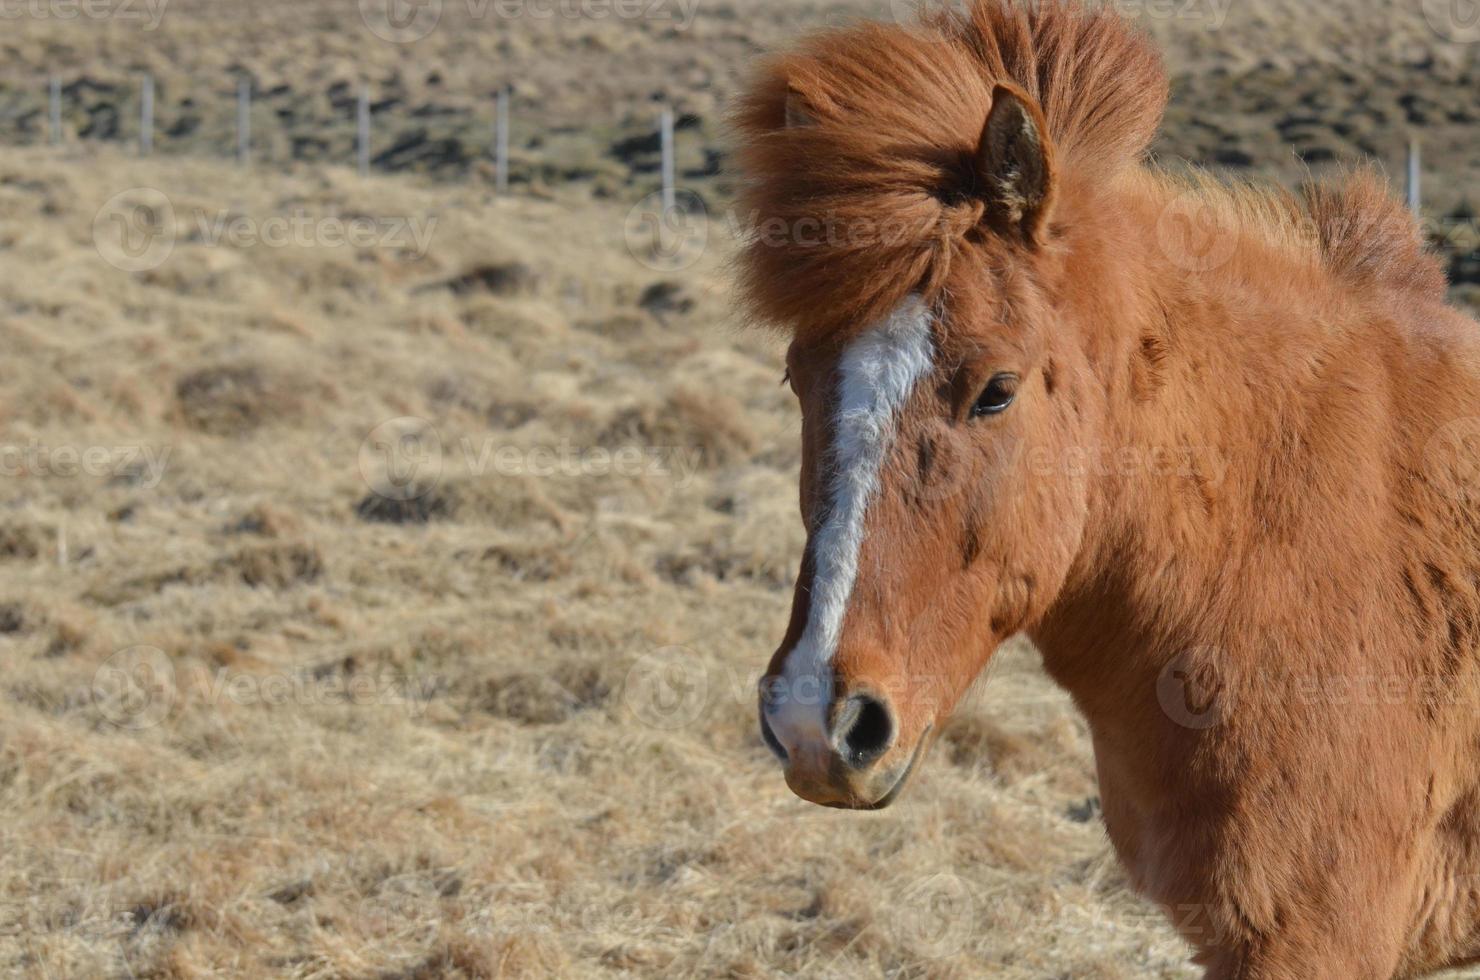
<point>1214,449</point>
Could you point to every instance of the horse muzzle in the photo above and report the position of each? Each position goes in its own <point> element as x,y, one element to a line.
<point>853,761</point>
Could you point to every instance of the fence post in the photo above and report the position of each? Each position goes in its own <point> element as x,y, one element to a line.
<point>54,108</point>
<point>243,120</point>
<point>670,193</point>
<point>362,128</point>
<point>501,143</point>
<point>1415,191</point>
<point>146,117</point>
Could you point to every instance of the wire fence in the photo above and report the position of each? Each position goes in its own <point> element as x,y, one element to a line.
<point>491,135</point>
<point>381,131</point>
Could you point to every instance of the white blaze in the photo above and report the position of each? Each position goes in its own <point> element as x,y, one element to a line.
<point>877,373</point>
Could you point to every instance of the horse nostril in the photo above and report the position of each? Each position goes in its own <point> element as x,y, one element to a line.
<point>865,730</point>
<point>769,737</point>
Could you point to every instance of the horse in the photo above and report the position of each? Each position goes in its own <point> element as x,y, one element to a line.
<point>1212,447</point>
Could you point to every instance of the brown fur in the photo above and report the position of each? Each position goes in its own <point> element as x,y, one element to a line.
<point>899,116</point>
<point>1316,531</point>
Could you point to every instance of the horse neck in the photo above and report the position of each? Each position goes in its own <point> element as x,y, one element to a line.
<point>1203,360</point>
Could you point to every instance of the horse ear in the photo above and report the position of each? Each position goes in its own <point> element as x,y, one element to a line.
<point>1015,163</point>
<point>798,113</point>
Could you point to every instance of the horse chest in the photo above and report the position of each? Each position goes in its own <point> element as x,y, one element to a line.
<point>1158,830</point>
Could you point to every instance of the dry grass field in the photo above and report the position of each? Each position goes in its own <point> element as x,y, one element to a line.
<point>386,567</point>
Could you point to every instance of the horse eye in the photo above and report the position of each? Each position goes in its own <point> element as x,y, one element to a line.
<point>996,396</point>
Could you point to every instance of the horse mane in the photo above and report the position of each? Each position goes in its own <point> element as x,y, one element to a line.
<point>1369,238</point>
<point>886,166</point>
<point>1350,224</point>
<point>874,195</point>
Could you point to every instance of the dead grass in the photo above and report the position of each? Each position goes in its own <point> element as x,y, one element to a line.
<point>259,717</point>
<point>232,399</point>
<point>255,726</point>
